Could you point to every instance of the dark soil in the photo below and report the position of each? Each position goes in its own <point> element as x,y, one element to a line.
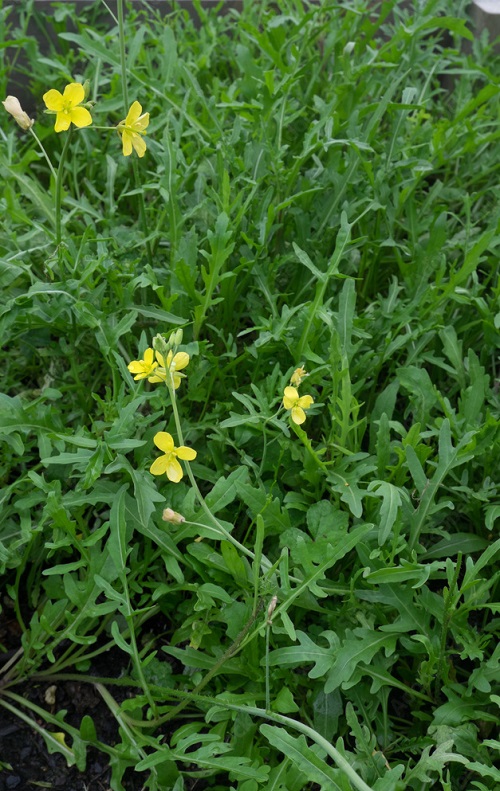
<point>25,762</point>
<point>28,765</point>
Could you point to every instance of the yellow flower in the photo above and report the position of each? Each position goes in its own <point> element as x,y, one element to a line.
<point>297,404</point>
<point>168,462</point>
<point>66,105</point>
<point>13,106</point>
<point>131,130</point>
<point>143,367</point>
<point>174,363</point>
<point>298,375</point>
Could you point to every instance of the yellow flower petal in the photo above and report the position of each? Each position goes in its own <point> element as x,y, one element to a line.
<point>133,114</point>
<point>74,93</point>
<point>63,122</point>
<point>160,359</point>
<point>138,144</point>
<point>81,117</point>
<point>174,470</point>
<point>164,441</point>
<point>305,401</point>
<point>298,415</point>
<point>142,123</point>
<point>132,128</point>
<point>148,356</point>
<point>127,143</point>
<point>185,453</point>
<point>159,466</point>
<point>290,397</point>
<point>181,360</point>
<point>66,105</point>
<point>159,375</point>
<point>53,100</point>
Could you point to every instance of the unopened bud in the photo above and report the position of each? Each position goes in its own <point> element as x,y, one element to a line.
<point>175,338</point>
<point>172,516</point>
<point>271,609</point>
<point>13,106</point>
<point>160,345</point>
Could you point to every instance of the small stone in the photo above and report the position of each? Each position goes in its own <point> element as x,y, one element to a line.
<point>50,695</point>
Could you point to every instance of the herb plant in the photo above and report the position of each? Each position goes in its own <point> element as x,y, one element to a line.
<point>281,269</point>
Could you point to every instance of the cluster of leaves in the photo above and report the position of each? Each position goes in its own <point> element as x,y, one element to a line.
<point>319,189</point>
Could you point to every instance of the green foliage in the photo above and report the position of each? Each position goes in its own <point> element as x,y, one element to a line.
<point>318,190</point>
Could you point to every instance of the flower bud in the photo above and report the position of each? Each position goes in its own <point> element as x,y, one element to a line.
<point>175,338</point>
<point>13,106</point>
<point>271,609</point>
<point>160,345</point>
<point>86,90</point>
<point>172,516</point>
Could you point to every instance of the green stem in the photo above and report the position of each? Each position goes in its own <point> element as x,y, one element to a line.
<point>123,56</point>
<point>42,149</point>
<point>142,211</point>
<point>268,687</point>
<point>135,169</point>
<point>122,721</point>
<point>133,646</point>
<point>343,239</point>
<point>342,763</point>
<point>220,528</point>
<point>77,656</point>
<point>214,669</point>
<point>225,534</point>
<point>125,722</point>
<point>50,739</point>
<point>12,661</point>
<point>448,612</point>
<point>59,179</point>
<point>301,434</point>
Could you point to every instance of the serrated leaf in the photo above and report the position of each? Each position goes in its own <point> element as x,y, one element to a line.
<point>119,639</point>
<point>391,502</point>
<point>306,261</point>
<point>306,653</point>
<point>434,762</point>
<point>360,645</point>
<point>225,490</point>
<point>296,750</point>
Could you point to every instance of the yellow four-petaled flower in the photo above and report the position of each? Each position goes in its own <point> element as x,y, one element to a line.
<point>145,367</point>
<point>168,462</point>
<point>131,130</point>
<point>175,363</point>
<point>156,370</point>
<point>297,404</point>
<point>67,107</point>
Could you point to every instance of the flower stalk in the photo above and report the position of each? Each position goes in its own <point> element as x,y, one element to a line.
<point>59,179</point>
<point>135,169</point>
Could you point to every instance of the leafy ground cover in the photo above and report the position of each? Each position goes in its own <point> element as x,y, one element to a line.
<point>249,396</point>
